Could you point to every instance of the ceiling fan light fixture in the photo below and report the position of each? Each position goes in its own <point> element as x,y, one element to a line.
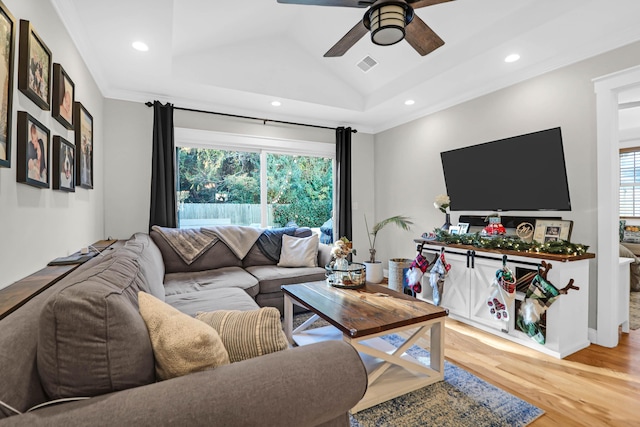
<point>387,21</point>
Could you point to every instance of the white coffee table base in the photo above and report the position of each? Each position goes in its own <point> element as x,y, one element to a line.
<point>391,372</point>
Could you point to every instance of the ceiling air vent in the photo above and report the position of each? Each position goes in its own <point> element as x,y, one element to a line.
<point>367,63</point>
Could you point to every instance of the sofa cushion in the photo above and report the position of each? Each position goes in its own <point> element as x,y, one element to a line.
<point>272,277</point>
<point>235,277</point>
<point>248,334</point>
<point>217,256</point>
<point>91,338</point>
<point>181,344</point>
<point>214,299</point>
<point>148,256</point>
<point>299,251</point>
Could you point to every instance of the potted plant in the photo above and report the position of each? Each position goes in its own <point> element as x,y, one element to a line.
<point>373,267</point>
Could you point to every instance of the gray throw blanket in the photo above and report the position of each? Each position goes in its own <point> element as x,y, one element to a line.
<point>238,238</point>
<point>270,241</point>
<point>189,243</point>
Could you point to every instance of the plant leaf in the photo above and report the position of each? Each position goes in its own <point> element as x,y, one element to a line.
<point>400,220</point>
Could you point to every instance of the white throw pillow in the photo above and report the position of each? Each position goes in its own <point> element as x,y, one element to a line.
<point>299,251</point>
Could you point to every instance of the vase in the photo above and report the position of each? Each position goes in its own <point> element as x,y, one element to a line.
<point>447,222</point>
<point>374,272</point>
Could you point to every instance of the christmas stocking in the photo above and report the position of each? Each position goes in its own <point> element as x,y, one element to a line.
<point>539,297</point>
<point>502,294</point>
<point>438,271</point>
<point>415,273</point>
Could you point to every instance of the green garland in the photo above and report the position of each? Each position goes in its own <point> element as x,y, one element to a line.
<point>560,247</point>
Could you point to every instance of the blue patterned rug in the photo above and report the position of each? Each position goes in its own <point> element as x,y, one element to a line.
<point>462,399</point>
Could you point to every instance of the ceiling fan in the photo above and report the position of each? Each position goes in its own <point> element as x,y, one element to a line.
<point>389,21</point>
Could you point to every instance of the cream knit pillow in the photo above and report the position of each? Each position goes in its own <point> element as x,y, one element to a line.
<point>181,344</point>
<point>299,251</point>
<point>247,334</point>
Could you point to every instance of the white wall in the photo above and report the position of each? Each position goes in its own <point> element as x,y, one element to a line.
<point>409,170</point>
<point>37,225</point>
<point>129,148</point>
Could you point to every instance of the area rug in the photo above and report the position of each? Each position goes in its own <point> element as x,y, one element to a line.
<point>461,400</point>
<point>634,310</point>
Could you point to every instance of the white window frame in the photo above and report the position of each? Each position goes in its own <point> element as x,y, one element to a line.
<point>197,138</point>
<point>636,203</point>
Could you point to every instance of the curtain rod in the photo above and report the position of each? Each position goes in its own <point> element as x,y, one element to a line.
<point>264,121</point>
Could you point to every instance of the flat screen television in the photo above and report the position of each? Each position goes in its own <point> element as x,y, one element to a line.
<point>521,173</point>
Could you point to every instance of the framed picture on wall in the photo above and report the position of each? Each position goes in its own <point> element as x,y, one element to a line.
<point>33,151</point>
<point>7,41</point>
<point>552,230</point>
<point>83,123</point>
<point>63,97</point>
<point>64,166</point>
<point>34,66</point>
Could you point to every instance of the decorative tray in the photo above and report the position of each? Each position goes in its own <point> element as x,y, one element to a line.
<point>349,275</point>
<point>343,286</point>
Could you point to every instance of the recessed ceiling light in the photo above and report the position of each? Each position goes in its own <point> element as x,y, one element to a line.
<point>276,103</point>
<point>141,46</point>
<point>512,58</point>
<point>409,102</point>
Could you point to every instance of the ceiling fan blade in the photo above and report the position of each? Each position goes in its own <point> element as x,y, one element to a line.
<point>339,3</point>
<point>422,38</point>
<point>417,4</point>
<point>347,42</point>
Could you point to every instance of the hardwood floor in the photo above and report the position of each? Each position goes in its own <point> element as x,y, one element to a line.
<point>597,386</point>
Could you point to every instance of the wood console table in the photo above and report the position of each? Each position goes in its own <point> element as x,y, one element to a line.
<point>17,294</point>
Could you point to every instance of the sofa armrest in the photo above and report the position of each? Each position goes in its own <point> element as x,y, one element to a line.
<point>324,254</point>
<point>302,386</point>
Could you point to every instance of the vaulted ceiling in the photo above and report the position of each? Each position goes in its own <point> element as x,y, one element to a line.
<point>239,56</point>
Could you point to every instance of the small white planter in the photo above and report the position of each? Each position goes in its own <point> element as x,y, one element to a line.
<point>374,272</point>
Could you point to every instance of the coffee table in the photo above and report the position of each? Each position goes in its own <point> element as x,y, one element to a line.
<point>361,317</point>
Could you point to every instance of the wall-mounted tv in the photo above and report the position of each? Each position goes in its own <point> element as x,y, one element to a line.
<point>521,173</point>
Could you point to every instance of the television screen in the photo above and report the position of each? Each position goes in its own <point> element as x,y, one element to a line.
<point>521,173</point>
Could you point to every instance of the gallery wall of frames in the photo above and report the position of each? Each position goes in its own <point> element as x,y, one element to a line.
<point>43,160</point>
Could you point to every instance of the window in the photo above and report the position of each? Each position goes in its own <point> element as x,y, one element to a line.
<point>260,182</point>
<point>630,183</point>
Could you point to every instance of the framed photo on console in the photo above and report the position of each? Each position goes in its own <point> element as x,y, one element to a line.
<point>33,151</point>
<point>552,230</point>
<point>34,66</point>
<point>464,227</point>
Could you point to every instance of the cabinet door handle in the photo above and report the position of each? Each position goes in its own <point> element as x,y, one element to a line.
<point>473,259</point>
<point>468,253</point>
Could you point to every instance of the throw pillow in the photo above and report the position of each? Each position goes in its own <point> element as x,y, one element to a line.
<point>247,334</point>
<point>299,252</point>
<point>181,344</point>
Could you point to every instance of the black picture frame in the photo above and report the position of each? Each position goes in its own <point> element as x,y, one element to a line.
<point>64,96</point>
<point>83,123</point>
<point>7,53</point>
<point>34,66</point>
<point>33,137</point>
<point>64,165</point>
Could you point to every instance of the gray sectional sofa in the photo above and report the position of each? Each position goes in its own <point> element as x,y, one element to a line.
<point>219,268</point>
<point>84,342</point>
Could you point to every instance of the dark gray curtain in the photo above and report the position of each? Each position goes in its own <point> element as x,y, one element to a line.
<point>163,168</point>
<point>343,183</point>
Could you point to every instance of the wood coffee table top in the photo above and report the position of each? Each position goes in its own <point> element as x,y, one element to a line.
<point>365,311</point>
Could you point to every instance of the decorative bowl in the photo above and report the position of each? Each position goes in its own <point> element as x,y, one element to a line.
<point>349,275</point>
